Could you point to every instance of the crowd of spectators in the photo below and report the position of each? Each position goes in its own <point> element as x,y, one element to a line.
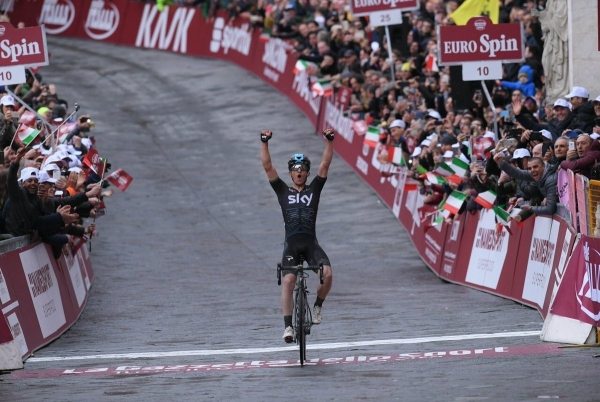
<point>514,149</point>
<point>49,186</point>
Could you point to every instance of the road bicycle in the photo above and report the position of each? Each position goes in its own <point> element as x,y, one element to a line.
<point>302,315</point>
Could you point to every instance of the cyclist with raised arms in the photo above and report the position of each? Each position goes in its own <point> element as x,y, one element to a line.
<point>299,203</point>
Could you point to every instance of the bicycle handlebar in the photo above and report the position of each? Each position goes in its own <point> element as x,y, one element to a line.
<point>300,268</point>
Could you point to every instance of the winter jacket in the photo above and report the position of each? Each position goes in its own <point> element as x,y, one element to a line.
<point>546,185</point>
<point>584,164</point>
<point>527,89</point>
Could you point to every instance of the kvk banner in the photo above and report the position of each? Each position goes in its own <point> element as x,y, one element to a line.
<point>480,40</point>
<point>578,296</point>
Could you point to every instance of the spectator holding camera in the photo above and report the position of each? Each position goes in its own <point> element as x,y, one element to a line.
<point>585,157</point>
<point>479,182</point>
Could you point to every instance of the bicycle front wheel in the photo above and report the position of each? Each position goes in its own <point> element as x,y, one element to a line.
<point>300,318</point>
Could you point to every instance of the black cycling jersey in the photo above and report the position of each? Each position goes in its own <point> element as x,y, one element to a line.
<point>299,208</point>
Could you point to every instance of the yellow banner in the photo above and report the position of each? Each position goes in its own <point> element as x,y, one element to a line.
<point>476,8</point>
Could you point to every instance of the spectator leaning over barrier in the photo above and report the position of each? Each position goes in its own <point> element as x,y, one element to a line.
<point>536,172</point>
<point>525,191</point>
<point>23,212</point>
<point>583,110</point>
<point>588,153</point>
<point>83,201</point>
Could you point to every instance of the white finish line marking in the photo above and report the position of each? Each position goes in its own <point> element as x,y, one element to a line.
<point>319,346</point>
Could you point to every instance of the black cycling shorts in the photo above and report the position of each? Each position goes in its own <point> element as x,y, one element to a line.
<point>300,248</point>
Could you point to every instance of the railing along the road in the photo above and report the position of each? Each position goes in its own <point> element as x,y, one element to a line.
<point>543,263</point>
<point>41,296</point>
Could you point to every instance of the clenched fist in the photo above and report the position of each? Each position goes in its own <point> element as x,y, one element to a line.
<point>265,135</point>
<point>329,134</point>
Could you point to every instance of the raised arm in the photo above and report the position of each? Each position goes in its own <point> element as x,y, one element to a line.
<point>329,135</point>
<point>265,156</point>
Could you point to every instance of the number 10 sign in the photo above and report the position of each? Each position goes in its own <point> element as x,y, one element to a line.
<point>481,70</point>
<point>12,75</point>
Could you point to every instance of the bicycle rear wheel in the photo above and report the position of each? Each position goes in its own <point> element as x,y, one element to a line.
<point>300,318</point>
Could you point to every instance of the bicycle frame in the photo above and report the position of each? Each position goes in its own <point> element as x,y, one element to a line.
<point>302,314</point>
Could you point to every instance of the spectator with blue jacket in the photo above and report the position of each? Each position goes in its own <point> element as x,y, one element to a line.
<point>525,82</point>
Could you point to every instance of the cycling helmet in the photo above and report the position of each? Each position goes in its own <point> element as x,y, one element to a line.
<point>298,159</point>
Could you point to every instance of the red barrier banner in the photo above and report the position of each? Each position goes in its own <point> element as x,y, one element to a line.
<point>274,62</point>
<point>452,248</point>
<point>578,296</point>
<point>40,296</point>
<point>467,236</point>
<point>173,29</point>
<point>434,243</point>
<point>564,246</point>
<point>103,19</point>
<point>61,17</point>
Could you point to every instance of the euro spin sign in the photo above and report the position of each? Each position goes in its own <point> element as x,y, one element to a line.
<point>364,7</point>
<point>22,47</point>
<point>480,40</point>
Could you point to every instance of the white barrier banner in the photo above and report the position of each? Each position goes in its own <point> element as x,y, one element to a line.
<point>43,288</point>
<point>489,252</point>
<point>541,259</point>
<point>4,294</point>
<point>17,333</point>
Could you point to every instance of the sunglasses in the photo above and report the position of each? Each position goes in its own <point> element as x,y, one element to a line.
<point>299,168</point>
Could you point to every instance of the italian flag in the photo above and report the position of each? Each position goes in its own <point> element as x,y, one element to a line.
<point>486,199</point>
<point>454,201</point>
<point>434,178</point>
<point>502,216</point>
<point>444,170</point>
<point>27,118</point>
<point>372,136</point>
<point>454,179</point>
<point>421,170</point>
<point>27,135</point>
<point>303,65</point>
<point>395,156</point>
<point>322,88</point>
<point>440,217</point>
<point>459,166</point>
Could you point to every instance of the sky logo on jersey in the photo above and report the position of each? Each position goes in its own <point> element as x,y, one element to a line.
<point>297,199</point>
